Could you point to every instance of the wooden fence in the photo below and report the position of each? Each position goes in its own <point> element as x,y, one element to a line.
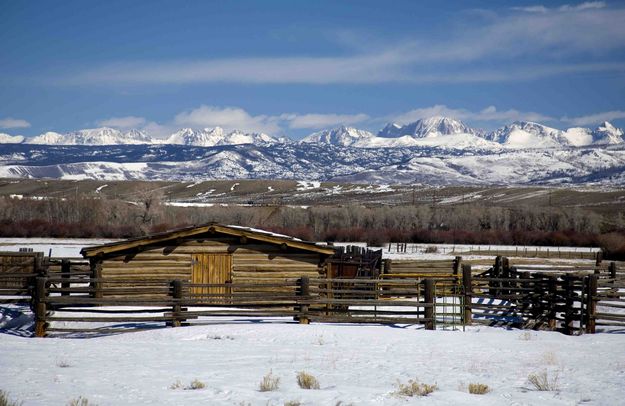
<point>570,300</point>
<point>65,305</point>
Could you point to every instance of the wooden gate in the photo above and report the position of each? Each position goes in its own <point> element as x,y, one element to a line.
<point>211,269</point>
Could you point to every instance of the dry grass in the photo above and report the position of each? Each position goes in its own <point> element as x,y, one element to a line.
<point>543,382</point>
<point>80,401</point>
<point>478,388</point>
<point>5,401</point>
<point>307,381</point>
<point>292,403</point>
<point>195,384</point>
<point>414,388</point>
<point>176,385</point>
<point>269,383</point>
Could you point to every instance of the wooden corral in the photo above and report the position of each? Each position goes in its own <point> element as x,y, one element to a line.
<point>208,254</point>
<point>17,267</point>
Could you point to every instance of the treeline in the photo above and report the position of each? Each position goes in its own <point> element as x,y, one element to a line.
<point>460,224</point>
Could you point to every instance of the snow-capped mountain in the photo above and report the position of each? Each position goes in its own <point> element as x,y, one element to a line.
<point>607,134</point>
<point>95,136</point>
<point>526,134</point>
<point>592,165</point>
<point>11,139</point>
<point>344,136</point>
<point>437,132</point>
<point>209,137</point>
<point>427,127</point>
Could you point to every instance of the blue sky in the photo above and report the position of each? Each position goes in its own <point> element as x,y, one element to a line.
<point>294,67</point>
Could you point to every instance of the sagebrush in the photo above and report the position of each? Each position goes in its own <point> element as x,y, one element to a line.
<point>6,401</point>
<point>269,383</point>
<point>478,388</point>
<point>307,381</point>
<point>414,388</point>
<point>542,381</point>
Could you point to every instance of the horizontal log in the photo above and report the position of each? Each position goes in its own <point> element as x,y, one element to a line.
<point>114,311</point>
<point>163,263</point>
<point>368,320</point>
<point>266,267</point>
<point>110,319</point>
<point>276,274</point>
<point>241,313</point>
<point>611,316</point>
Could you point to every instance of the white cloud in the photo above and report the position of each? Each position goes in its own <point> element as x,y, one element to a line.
<point>317,121</point>
<point>10,122</point>
<point>489,113</point>
<point>229,118</point>
<point>510,41</point>
<point>595,118</point>
<point>123,122</point>
<point>589,5</point>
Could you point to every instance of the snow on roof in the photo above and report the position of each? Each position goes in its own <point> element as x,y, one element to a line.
<point>260,231</point>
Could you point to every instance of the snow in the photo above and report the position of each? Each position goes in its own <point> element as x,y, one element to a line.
<point>234,186</point>
<point>11,139</point>
<point>189,204</point>
<point>61,247</point>
<point>306,185</point>
<point>269,233</point>
<point>355,364</point>
<point>99,188</point>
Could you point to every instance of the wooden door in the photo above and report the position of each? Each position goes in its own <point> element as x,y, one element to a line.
<point>211,269</point>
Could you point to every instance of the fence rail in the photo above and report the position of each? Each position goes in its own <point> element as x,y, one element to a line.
<point>570,300</point>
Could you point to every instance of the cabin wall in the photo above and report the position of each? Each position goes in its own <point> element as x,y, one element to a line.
<point>252,262</point>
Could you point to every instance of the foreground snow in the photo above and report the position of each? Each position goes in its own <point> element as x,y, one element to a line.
<point>354,364</point>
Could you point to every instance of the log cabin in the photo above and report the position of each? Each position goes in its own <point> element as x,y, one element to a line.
<point>206,254</point>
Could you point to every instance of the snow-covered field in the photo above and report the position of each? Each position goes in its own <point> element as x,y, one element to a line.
<point>354,364</point>
<point>57,247</point>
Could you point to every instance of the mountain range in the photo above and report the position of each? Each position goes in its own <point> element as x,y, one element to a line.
<point>434,132</point>
<point>437,151</point>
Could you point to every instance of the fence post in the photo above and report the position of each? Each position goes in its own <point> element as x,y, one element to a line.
<point>568,304</point>
<point>552,285</point>
<point>65,271</point>
<point>612,270</point>
<point>176,291</point>
<point>591,304</point>
<point>430,299</point>
<point>598,258</point>
<point>467,280</point>
<point>40,306</point>
<point>303,295</point>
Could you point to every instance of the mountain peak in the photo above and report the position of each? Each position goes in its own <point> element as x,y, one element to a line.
<point>209,137</point>
<point>606,133</point>
<point>343,136</point>
<point>93,136</point>
<point>427,127</point>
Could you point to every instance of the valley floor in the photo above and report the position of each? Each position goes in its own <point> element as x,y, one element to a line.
<point>354,364</point>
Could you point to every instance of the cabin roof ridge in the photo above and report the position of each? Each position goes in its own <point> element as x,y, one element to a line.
<point>212,227</point>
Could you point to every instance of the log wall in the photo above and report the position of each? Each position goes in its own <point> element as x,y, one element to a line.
<point>251,262</point>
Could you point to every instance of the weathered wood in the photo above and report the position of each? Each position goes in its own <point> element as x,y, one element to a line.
<point>430,299</point>
<point>40,306</point>
<point>467,286</point>
<point>591,304</point>
<point>176,288</point>
<point>304,294</point>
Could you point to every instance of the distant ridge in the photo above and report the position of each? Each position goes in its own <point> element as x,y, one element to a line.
<point>435,131</point>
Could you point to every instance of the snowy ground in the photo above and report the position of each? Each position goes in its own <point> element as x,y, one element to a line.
<point>58,247</point>
<point>354,364</point>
